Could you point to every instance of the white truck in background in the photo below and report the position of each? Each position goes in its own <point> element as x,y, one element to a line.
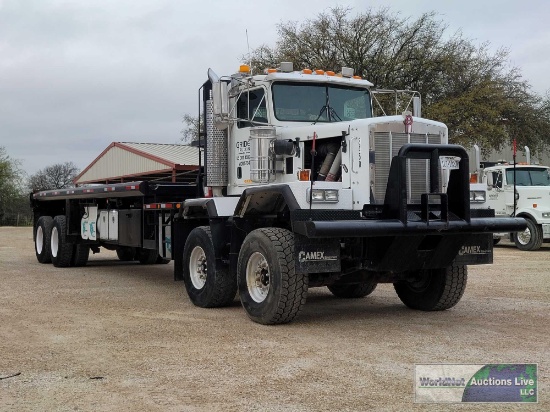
<point>493,188</point>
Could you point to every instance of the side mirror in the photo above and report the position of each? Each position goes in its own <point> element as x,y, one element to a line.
<point>220,97</point>
<point>489,177</point>
<point>417,106</point>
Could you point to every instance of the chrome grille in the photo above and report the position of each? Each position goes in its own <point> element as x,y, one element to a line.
<point>386,146</point>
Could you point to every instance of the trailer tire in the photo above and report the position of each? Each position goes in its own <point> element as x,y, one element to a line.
<point>162,261</point>
<point>126,253</point>
<point>352,290</point>
<point>531,238</point>
<point>147,256</point>
<point>80,255</point>
<point>62,251</point>
<point>42,239</point>
<point>209,284</point>
<point>271,291</point>
<point>435,289</point>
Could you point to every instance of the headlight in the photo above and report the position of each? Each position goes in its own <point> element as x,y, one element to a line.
<point>477,196</point>
<point>323,195</point>
<point>546,214</point>
<point>331,195</point>
<point>317,195</point>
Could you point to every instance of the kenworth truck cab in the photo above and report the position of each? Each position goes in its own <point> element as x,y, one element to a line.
<point>532,200</point>
<point>301,187</point>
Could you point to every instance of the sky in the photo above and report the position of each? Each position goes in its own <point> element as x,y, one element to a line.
<point>76,75</point>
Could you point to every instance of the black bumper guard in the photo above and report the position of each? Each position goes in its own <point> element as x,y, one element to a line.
<point>440,213</point>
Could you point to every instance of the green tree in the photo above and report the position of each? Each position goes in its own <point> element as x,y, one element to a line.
<point>57,176</point>
<point>473,90</point>
<point>11,184</point>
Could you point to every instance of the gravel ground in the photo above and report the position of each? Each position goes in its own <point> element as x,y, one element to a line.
<point>125,337</point>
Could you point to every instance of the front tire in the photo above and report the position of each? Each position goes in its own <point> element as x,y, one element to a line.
<point>62,251</point>
<point>208,282</point>
<point>434,289</point>
<point>271,291</point>
<point>531,238</point>
<point>42,239</point>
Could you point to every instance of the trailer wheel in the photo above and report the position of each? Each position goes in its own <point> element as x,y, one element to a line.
<point>162,261</point>
<point>531,238</point>
<point>42,239</point>
<point>62,251</point>
<point>208,282</point>
<point>271,291</point>
<point>147,256</point>
<point>81,254</point>
<point>352,291</point>
<point>434,289</point>
<point>126,253</point>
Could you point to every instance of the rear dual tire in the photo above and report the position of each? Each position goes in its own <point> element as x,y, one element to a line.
<point>434,289</point>
<point>42,239</point>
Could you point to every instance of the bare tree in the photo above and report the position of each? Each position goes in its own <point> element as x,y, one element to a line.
<point>190,132</point>
<point>57,176</point>
<point>462,84</point>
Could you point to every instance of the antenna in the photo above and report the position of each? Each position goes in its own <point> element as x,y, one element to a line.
<point>249,58</point>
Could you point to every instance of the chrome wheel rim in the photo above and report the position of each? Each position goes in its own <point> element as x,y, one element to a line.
<point>39,240</point>
<point>197,267</point>
<point>258,277</point>
<point>524,237</point>
<point>55,241</point>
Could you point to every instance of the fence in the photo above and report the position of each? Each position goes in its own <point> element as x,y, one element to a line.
<point>16,219</point>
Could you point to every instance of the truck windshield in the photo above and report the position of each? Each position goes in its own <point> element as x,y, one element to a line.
<point>306,102</point>
<point>535,176</point>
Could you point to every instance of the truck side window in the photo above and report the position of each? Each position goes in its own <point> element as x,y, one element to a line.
<point>497,179</point>
<point>251,106</point>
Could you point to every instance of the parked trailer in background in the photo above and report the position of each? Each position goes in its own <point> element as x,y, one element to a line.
<point>302,187</point>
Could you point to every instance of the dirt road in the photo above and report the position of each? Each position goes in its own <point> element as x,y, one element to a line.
<point>114,336</point>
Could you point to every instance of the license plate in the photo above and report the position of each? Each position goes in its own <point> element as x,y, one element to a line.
<point>449,162</point>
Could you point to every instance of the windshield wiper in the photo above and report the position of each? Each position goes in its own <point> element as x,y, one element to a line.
<point>320,113</point>
<point>333,113</point>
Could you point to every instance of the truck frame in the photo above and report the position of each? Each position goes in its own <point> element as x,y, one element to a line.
<point>301,187</point>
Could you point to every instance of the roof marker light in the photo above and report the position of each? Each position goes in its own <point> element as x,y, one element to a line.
<point>319,71</point>
<point>307,71</point>
<point>271,71</point>
<point>244,68</point>
<point>357,77</point>
<point>329,73</point>
<point>347,72</point>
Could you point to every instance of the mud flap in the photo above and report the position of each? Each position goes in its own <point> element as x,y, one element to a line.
<point>316,255</point>
<point>476,250</point>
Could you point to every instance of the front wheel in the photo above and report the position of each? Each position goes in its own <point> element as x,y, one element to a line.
<point>531,238</point>
<point>271,291</point>
<point>433,289</point>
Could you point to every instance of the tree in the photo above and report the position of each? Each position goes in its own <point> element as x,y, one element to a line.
<point>57,176</point>
<point>474,91</point>
<point>190,132</point>
<point>11,178</point>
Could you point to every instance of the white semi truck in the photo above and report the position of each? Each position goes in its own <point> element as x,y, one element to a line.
<point>301,187</point>
<point>529,198</point>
